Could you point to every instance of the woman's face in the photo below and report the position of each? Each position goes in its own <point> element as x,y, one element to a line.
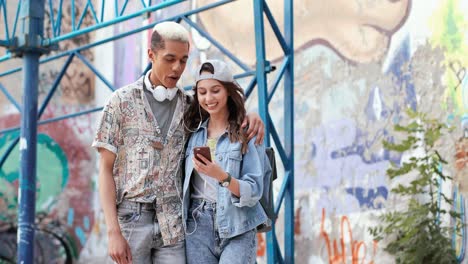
<point>212,96</point>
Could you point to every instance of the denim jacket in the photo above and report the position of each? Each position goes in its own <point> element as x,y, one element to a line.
<point>234,215</point>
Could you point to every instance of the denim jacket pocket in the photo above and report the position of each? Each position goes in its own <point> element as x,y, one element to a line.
<point>235,159</point>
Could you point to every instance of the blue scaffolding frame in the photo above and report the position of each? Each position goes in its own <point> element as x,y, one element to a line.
<point>30,44</point>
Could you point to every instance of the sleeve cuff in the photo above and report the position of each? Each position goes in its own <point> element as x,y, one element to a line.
<point>245,198</point>
<point>107,146</point>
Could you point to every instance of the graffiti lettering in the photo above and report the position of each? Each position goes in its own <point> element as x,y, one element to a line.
<point>370,198</point>
<point>357,248</point>
<point>77,84</point>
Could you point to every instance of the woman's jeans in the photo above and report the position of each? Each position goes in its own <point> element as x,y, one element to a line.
<point>203,244</point>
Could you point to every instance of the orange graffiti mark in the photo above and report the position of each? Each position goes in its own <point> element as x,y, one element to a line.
<point>339,257</point>
<point>461,164</point>
<point>261,246</point>
<point>461,154</point>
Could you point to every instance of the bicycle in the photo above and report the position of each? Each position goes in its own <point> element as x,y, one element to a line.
<point>52,243</point>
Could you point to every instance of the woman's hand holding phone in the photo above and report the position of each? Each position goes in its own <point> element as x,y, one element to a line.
<point>202,163</point>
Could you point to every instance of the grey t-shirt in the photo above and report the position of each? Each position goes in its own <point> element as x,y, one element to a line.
<point>204,187</point>
<point>163,111</point>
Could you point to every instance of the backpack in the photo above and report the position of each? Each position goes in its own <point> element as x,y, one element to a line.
<point>267,201</point>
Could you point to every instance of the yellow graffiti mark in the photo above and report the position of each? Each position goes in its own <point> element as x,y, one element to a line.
<point>450,32</point>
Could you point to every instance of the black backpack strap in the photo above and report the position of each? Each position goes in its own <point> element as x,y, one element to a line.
<point>267,200</point>
<point>270,152</point>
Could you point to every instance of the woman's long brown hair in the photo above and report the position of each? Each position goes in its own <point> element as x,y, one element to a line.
<point>236,111</point>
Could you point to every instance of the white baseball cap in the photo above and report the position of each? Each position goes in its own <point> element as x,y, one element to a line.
<point>221,72</point>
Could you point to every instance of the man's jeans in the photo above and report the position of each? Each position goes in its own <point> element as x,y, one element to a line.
<point>204,244</point>
<point>140,228</point>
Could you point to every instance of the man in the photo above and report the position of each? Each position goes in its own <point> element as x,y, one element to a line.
<point>141,139</point>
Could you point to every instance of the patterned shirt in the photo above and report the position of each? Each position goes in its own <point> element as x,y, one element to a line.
<point>146,168</point>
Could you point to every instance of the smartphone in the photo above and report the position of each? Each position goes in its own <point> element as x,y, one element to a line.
<point>204,151</point>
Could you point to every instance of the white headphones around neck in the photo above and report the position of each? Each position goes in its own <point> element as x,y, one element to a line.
<point>160,93</point>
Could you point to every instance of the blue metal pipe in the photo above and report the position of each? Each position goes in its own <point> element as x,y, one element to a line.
<point>83,14</point>
<point>261,65</point>
<point>55,85</point>
<point>6,73</point>
<point>92,45</point>
<point>58,23</point>
<point>262,89</point>
<point>8,150</point>
<point>16,19</point>
<point>148,67</point>
<point>5,19</point>
<point>278,78</point>
<point>217,44</point>
<point>271,239</point>
<point>282,193</point>
<point>250,88</point>
<point>123,8</point>
<point>7,56</point>
<point>51,17</point>
<point>93,69</point>
<point>205,8</point>
<point>55,119</point>
<point>275,253</point>
<point>459,204</point>
<point>289,131</point>
<point>10,98</point>
<point>116,20</point>
<point>279,146</point>
<point>103,4</point>
<point>116,8</point>
<point>244,74</point>
<point>236,77</point>
<point>73,22</point>
<point>32,16</point>
<point>268,69</point>
<point>27,179</point>
<point>275,28</point>
<point>93,11</point>
<point>279,258</point>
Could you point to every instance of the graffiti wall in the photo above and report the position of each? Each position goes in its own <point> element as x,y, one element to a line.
<point>358,65</point>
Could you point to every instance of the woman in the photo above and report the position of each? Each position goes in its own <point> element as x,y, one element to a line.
<point>221,198</point>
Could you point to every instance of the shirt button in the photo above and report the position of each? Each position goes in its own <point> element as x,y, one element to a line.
<point>222,208</point>
<point>220,158</point>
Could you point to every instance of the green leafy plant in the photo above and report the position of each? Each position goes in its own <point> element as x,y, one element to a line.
<point>416,234</point>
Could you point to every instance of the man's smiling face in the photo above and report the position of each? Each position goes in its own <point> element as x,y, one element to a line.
<point>168,63</point>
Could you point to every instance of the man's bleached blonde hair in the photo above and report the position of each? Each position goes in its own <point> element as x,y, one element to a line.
<point>168,31</point>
